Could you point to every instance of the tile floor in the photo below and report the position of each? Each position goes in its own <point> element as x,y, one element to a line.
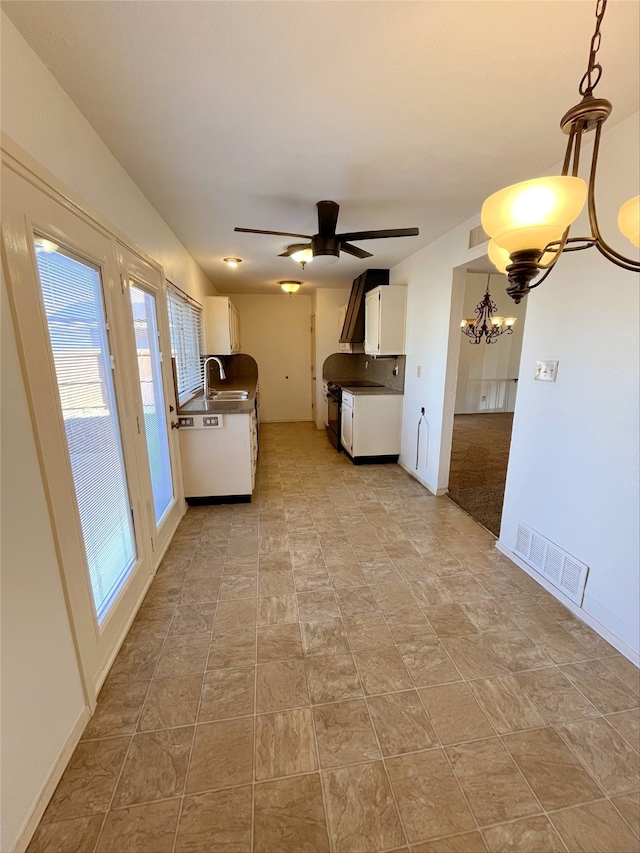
<point>347,664</point>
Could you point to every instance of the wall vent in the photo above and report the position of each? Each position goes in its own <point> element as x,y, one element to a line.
<point>477,235</point>
<point>555,565</point>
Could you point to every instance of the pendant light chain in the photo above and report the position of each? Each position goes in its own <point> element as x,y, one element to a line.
<point>595,46</point>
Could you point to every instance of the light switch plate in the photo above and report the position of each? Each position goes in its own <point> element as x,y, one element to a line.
<point>546,371</point>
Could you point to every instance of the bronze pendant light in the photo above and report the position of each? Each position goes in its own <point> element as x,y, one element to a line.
<point>487,325</point>
<point>529,222</point>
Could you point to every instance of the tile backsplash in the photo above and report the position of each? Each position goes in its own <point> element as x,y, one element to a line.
<point>341,366</point>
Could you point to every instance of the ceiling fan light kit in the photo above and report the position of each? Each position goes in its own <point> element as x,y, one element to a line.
<point>529,222</point>
<point>326,245</point>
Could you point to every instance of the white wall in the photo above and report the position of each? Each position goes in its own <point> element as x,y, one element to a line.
<point>42,698</point>
<point>573,470</point>
<point>328,302</point>
<point>490,363</point>
<point>276,331</point>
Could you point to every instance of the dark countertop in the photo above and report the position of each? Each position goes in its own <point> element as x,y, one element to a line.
<point>198,405</point>
<point>371,391</point>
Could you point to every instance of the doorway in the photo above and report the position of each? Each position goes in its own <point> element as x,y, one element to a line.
<point>485,397</point>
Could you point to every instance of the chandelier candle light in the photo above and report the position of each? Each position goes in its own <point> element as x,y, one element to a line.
<point>528,223</point>
<point>486,325</point>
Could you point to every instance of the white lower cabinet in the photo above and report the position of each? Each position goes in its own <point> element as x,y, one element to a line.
<point>371,425</point>
<point>219,454</point>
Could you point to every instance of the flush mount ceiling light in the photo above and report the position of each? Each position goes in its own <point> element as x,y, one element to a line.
<point>529,223</point>
<point>232,262</point>
<point>290,287</point>
<point>485,324</point>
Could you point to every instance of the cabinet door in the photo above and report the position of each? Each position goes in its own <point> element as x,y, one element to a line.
<point>346,430</point>
<point>372,322</point>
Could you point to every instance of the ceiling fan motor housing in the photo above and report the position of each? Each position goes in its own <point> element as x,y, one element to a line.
<point>322,245</point>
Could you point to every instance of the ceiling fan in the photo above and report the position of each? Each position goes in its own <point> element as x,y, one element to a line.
<point>326,243</point>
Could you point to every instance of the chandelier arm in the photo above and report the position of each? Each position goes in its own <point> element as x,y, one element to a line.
<point>600,243</point>
<point>580,128</point>
<point>561,244</point>
<point>567,153</point>
<point>540,280</point>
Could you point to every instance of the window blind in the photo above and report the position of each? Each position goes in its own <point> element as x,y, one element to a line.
<point>187,342</point>
<point>72,296</point>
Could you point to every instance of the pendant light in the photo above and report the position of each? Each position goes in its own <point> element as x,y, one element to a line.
<point>529,222</point>
<point>487,325</point>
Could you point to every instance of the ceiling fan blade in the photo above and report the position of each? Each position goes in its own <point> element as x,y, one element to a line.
<point>377,235</point>
<point>354,250</point>
<point>327,217</point>
<point>276,233</point>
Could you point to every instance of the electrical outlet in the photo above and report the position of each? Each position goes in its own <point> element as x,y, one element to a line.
<point>419,371</point>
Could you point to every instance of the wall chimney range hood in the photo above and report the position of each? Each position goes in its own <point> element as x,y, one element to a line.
<point>353,329</point>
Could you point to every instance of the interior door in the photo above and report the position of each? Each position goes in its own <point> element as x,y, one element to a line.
<point>67,308</point>
<point>145,306</point>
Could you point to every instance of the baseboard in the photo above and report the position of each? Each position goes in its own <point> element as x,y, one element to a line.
<point>428,486</point>
<point>42,801</point>
<point>598,627</point>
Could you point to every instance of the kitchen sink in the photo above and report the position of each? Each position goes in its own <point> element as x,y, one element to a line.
<point>229,395</point>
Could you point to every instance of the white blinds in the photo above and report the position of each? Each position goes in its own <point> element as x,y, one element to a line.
<point>187,342</point>
<point>72,296</point>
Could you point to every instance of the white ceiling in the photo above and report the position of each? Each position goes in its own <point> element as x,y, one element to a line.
<point>248,113</point>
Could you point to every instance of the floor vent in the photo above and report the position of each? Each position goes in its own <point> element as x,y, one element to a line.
<point>477,235</point>
<point>559,568</point>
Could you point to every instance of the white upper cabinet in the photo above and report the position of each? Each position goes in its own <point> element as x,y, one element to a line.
<point>221,326</point>
<point>384,319</point>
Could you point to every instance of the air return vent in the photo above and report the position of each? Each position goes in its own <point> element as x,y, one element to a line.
<point>477,235</point>
<point>555,565</point>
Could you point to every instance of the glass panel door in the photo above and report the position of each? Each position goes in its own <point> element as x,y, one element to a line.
<point>145,324</point>
<point>73,302</point>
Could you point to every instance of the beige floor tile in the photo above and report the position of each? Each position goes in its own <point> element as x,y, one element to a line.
<point>428,797</point>
<point>311,579</point>
<point>491,782</point>
<point>234,613</point>
<point>401,723</point>
<point>556,643</point>
<point>230,649</point>
<point>429,591</point>
<point>199,589</point>
<point>593,642</point>
<point>629,807</point>
<point>155,768</point>
<point>279,642</point>
<point>346,575</point>
<point>529,835</point>
<point>218,822</point>
<point>289,816</point>
<point>277,610</point>
<point>222,755</point>
<point>333,678</point>
<point>281,685</point>
<point>324,637</point>
<point>392,597</point>
<point>525,611</point>
<point>607,756</point>
<point>626,671</point>
<point>138,829</point>
<point>241,564</point>
<point>601,686</point>
<point>193,618</point>
<point>89,779</point>
<point>472,655</point>
<point>506,704</point>
<point>184,655</point>
<point>355,600</point>
<point>468,842</point>
<point>227,693</point>
<point>554,695</point>
<point>488,615</point>
<point>429,664</point>
<point>118,709</point>
<point>449,620</point>
<point>410,626</point>
<point>595,828</point>
<point>149,623</point>
<point>344,733</point>
<point>368,822</point>
<point>76,835</point>
<point>171,702</point>
<point>285,744</point>
<point>275,562</point>
<point>317,605</point>
<point>367,631</point>
<point>627,723</point>
<point>136,661</point>
<point>516,651</point>
<point>381,670</point>
<point>275,583</point>
<point>464,587</point>
<point>455,714</point>
<point>556,776</point>
<point>238,586</point>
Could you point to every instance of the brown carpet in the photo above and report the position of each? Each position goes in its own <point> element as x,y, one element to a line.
<point>479,457</point>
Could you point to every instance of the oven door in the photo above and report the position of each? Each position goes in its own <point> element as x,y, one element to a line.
<point>333,419</point>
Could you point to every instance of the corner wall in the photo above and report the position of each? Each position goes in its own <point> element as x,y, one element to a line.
<point>328,302</point>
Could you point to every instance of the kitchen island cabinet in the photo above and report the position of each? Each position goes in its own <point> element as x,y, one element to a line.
<point>371,425</point>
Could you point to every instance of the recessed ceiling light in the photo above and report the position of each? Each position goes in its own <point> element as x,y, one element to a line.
<point>290,286</point>
<point>232,262</point>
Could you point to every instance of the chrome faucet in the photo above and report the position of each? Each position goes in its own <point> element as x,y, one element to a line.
<point>223,375</point>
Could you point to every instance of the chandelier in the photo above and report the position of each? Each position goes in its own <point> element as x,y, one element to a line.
<point>528,223</point>
<point>486,325</point>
